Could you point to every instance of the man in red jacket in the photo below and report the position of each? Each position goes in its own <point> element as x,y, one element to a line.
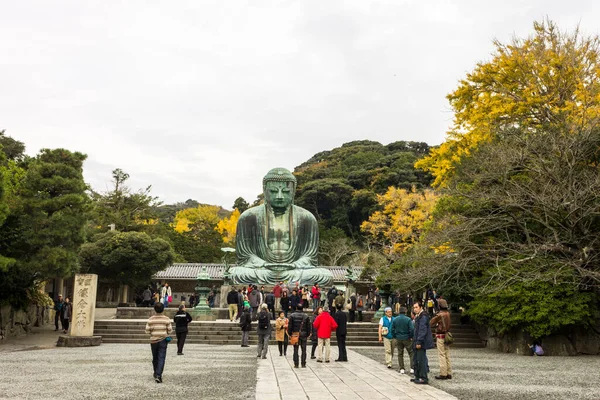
<point>324,324</point>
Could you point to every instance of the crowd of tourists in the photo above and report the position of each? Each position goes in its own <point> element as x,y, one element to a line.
<point>291,326</point>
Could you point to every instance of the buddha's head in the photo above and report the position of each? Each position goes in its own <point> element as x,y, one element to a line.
<point>279,187</point>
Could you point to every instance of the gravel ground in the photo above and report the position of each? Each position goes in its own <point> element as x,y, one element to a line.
<point>481,374</point>
<point>124,371</point>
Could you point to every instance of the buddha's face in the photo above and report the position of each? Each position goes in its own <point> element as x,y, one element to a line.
<point>279,194</point>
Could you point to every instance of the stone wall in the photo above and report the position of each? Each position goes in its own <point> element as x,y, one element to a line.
<point>570,342</point>
<point>19,322</point>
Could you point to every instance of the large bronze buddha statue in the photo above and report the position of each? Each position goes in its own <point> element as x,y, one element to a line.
<point>278,241</point>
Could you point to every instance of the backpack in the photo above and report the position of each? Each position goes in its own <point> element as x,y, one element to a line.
<point>430,303</point>
<point>360,302</point>
<point>263,321</point>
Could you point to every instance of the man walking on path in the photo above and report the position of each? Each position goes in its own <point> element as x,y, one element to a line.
<point>263,331</point>
<point>277,293</point>
<point>324,324</point>
<point>340,333</point>
<point>58,305</point>
<point>385,336</point>
<point>403,333</point>
<point>182,318</point>
<point>423,340</point>
<point>159,328</point>
<point>232,303</point>
<point>441,323</point>
<point>299,324</point>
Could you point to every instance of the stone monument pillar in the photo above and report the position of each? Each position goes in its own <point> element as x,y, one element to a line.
<point>81,330</point>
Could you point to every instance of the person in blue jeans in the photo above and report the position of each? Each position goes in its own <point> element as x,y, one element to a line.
<point>159,328</point>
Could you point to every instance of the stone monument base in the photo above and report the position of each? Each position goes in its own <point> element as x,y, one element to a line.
<point>200,316</point>
<point>78,341</point>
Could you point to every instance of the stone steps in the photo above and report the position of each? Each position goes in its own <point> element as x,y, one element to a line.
<point>229,333</point>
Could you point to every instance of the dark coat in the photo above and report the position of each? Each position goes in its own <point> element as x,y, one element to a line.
<point>66,310</point>
<point>269,328</point>
<point>341,318</point>
<point>232,297</point>
<point>270,300</point>
<point>294,301</point>
<point>353,301</point>
<point>246,321</point>
<point>402,328</point>
<point>285,303</point>
<point>182,319</point>
<point>423,335</point>
<point>300,320</point>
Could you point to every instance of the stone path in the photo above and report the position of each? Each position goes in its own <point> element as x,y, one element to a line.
<point>360,378</point>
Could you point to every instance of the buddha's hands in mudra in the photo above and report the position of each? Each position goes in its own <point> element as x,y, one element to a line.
<point>279,267</point>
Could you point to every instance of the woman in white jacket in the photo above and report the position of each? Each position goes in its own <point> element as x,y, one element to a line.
<point>165,295</point>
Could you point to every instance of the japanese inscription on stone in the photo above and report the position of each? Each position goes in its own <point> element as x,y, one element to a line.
<point>84,301</point>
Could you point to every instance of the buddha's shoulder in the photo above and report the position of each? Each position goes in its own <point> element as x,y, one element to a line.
<point>252,213</point>
<point>304,213</point>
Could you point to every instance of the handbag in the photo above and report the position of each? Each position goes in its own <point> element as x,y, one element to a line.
<point>448,338</point>
<point>170,299</point>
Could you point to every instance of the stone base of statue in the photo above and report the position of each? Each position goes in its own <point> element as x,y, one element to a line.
<point>272,276</point>
<point>202,312</point>
<point>78,341</point>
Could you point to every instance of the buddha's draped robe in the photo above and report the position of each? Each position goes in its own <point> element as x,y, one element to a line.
<point>256,262</point>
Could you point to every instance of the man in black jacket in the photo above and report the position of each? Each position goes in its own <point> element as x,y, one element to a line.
<point>340,334</point>
<point>181,319</point>
<point>232,303</point>
<point>300,322</point>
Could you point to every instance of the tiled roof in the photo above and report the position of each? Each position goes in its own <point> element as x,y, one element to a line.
<point>189,271</point>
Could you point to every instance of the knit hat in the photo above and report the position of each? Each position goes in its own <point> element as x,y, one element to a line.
<point>388,308</point>
<point>443,304</point>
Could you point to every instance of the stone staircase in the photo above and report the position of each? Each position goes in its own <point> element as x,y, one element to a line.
<point>229,333</point>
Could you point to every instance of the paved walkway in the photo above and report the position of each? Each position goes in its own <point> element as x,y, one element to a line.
<point>360,378</point>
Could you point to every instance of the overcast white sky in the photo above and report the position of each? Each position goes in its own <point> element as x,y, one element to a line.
<point>201,98</point>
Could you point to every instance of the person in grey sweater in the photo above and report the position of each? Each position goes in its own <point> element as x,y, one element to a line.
<point>264,331</point>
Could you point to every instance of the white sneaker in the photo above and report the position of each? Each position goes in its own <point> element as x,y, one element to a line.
<point>412,371</point>
<point>402,371</point>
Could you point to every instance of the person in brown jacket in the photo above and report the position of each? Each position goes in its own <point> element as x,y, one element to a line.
<point>441,323</point>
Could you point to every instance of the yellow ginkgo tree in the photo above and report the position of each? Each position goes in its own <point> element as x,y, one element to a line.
<point>227,227</point>
<point>201,218</point>
<point>549,78</point>
<point>397,227</point>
